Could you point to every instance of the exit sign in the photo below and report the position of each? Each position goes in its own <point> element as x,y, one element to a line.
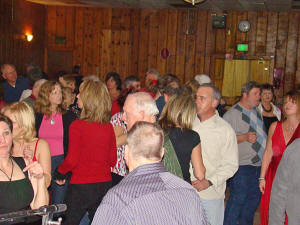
<point>242,47</point>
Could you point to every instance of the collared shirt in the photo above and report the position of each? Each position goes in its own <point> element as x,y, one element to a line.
<point>151,195</point>
<point>276,111</point>
<point>219,154</point>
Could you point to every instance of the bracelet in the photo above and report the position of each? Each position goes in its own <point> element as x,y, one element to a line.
<point>261,178</point>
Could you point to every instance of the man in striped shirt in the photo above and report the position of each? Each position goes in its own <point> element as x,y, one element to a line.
<point>149,194</point>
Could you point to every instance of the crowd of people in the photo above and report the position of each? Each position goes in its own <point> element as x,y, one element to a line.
<point>117,153</point>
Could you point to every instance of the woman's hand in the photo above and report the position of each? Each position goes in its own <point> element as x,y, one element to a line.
<point>60,182</point>
<point>35,170</point>
<point>28,153</point>
<point>262,185</point>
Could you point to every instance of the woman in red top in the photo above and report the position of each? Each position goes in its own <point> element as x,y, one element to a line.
<point>281,134</point>
<point>92,151</point>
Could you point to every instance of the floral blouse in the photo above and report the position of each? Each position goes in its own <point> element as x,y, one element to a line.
<point>120,167</point>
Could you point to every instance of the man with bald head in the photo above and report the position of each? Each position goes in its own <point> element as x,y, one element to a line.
<point>149,194</point>
<point>14,85</point>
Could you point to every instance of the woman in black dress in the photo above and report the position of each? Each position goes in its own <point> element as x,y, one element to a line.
<point>22,184</point>
<point>269,112</point>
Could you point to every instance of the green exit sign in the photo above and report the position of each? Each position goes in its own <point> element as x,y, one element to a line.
<point>242,47</point>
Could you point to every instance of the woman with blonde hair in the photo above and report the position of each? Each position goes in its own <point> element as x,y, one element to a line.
<point>22,183</point>
<point>52,124</point>
<point>92,151</point>
<point>176,119</point>
<point>280,135</point>
<point>25,143</point>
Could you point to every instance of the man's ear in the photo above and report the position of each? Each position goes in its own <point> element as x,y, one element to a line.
<point>244,95</point>
<point>166,98</point>
<point>126,155</point>
<point>142,112</point>
<point>215,103</point>
<point>162,152</point>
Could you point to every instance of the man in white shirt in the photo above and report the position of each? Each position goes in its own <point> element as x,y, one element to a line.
<point>219,152</point>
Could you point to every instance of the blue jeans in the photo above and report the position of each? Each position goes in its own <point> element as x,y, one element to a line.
<point>57,191</point>
<point>85,219</point>
<point>244,196</point>
<point>214,210</point>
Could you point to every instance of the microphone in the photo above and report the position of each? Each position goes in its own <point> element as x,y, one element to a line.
<point>44,210</point>
<point>57,208</point>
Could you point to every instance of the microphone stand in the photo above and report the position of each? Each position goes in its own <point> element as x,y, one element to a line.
<point>47,215</point>
<point>47,219</point>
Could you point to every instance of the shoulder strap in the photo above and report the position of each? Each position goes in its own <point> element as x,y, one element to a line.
<point>34,154</point>
<point>21,163</point>
<point>170,159</point>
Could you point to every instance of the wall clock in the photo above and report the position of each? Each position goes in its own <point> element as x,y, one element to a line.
<point>244,26</point>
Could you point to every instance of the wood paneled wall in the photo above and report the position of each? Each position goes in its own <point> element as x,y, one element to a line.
<point>16,18</point>
<point>129,41</point>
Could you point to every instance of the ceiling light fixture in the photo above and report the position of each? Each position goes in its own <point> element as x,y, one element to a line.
<point>193,2</point>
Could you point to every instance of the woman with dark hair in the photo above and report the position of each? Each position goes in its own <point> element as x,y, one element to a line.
<point>92,152</point>
<point>269,112</point>
<point>114,85</point>
<point>281,134</point>
<point>52,124</point>
<point>22,183</point>
<point>163,82</point>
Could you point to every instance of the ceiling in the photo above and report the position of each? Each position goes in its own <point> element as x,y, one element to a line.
<point>215,5</point>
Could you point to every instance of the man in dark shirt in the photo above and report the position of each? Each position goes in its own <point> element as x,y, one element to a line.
<point>149,194</point>
<point>14,85</point>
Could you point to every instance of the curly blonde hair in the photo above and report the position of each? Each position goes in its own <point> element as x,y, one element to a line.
<point>42,104</point>
<point>24,116</point>
<point>96,102</point>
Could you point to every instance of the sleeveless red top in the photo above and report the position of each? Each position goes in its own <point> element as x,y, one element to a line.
<point>34,154</point>
<point>278,147</point>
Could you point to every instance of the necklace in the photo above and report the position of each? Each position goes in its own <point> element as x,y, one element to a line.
<point>52,121</point>
<point>269,110</point>
<point>288,128</point>
<point>12,170</point>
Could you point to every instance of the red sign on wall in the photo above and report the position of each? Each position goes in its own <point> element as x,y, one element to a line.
<point>165,53</point>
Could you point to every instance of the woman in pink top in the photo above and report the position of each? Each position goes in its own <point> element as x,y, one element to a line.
<point>52,124</point>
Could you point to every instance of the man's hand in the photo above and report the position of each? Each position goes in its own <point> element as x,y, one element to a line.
<point>200,185</point>
<point>251,137</point>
